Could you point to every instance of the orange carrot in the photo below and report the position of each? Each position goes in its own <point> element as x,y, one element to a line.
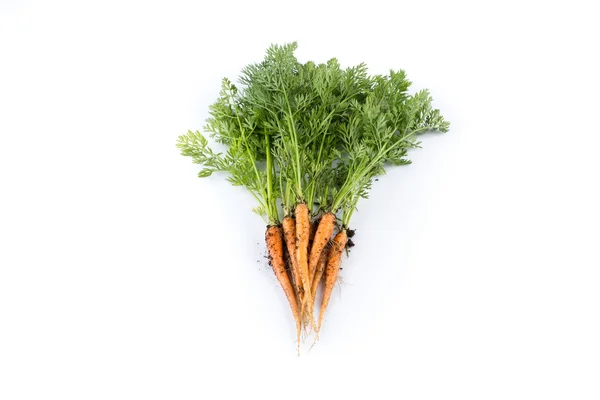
<point>289,233</point>
<point>311,233</point>
<point>319,272</point>
<point>274,240</point>
<point>302,233</point>
<point>331,273</point>
<point>314,224</point>
<point>322,237</point>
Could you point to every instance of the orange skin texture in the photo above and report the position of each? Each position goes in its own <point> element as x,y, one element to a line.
<point>302,235</point>
<point>311,236</point>
<point>274,241</point>
<point>322,237</point>
<point>319,272</point>
<point>332,270</point>
<point>289,232</point>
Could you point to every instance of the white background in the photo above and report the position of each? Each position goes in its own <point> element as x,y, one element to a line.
<point>476,273</point>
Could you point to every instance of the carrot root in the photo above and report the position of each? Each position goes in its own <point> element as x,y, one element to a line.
<point>302,235</point>
<point>322,237</point>
<point>332,270</point>
<point>289,232</point>
<point>312,231</point>
<point>319,272</point>
<point>274,240</point>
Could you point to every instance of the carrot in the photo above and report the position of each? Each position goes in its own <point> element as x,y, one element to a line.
<point>274,240</point>
<point>324,231</point>
<point>314,224</point>
<point>302,233</point>
<point>289,233</point>
<point>331,273</point>
<point>319,272</point>
<point>311,233</point>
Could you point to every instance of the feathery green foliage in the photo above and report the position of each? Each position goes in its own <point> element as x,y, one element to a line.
<point>380,130</point>
<point>235,125</point>
<point>311,132</point>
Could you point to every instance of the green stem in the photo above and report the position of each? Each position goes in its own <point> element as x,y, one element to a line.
<point>348,185</point>
<point>271,206</point>
<point>350,182</point>
<point>243,132</point>
<point>312,189</point>
<point>348,211</point>
<point>260,202</point>
<point>287,202</point>
<point>294,135</point>
<point>281,190</point>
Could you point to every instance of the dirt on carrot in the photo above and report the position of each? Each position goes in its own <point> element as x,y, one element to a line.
<point>319,272</point>
<point>289,231</point>
<point>332,270</point>
<point>314,224</point>
<point>274,241</point>
<point>302,234</point>
<point>322,237</point>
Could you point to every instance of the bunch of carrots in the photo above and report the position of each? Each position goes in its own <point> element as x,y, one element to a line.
<point>307,141</point>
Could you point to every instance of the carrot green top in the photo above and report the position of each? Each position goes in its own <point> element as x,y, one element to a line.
<point>313,133</point>
<point>248,159</point>
<point>379,131</point>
